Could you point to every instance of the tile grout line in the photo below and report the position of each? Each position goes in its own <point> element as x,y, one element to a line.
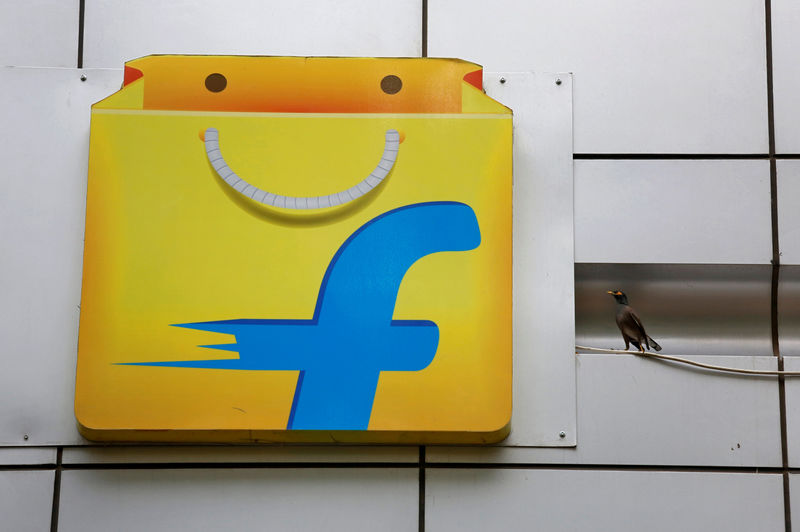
<point>81,12</point>
<point>422,465</point>
<point>105,466</point>
<point>424,28</point>
<point>670,156</point>
<point>56,491</point>
<point>618,468</point>
<point>683,156</point>
<point>776,264</point>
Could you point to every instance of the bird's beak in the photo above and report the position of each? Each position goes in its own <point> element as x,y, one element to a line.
<point>611,292</point>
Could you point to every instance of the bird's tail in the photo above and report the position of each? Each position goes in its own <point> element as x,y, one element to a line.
<point>653,344</point>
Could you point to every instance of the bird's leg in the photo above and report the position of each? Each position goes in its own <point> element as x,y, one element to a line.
<point>641,348</point>
<point>627,343</point>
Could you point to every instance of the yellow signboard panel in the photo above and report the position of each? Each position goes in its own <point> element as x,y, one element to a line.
<point>297,249</point>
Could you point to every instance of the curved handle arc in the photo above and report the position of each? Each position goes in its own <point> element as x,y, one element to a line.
<point>240,185</point>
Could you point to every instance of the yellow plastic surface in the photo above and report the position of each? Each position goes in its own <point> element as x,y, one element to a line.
<point>167,242</point>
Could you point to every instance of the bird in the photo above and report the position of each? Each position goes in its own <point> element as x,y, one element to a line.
<point>630,325</point>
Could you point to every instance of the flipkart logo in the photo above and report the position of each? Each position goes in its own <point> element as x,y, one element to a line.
<point>342,274</point>
<point>352,337</point>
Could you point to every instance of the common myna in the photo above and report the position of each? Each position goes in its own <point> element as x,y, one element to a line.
<point>630,325</point>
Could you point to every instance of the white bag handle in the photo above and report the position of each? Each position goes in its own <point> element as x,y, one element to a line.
<point>390,149</point>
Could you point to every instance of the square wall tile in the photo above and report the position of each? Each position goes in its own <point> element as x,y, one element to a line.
<point>792,363</point>
<point>672,211</point>
<point>650,77</point>
<point>120,31</point>
<point>351,500</point>
<point>239,454</point>
<point>633,411</point>
<point>577,500</point>
<point>789,211</point>
<point>26,500</point>
<point>27,455</point>
<point>786,74</point>
<point>794,493</point>
<point>39,33</point>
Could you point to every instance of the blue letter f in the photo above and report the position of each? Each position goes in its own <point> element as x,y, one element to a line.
<point>352,336</point>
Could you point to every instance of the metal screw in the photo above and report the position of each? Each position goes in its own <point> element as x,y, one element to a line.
<point>558,81</point>
<point>562,434</point>
<point>83,77</point>
<point>502,80</point>
<point>25,437</point>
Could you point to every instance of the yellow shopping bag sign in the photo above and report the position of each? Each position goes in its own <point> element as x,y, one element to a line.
<point>297,249</point>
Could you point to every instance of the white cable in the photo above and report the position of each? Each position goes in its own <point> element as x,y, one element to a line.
<point>690,362</point>
<point>385,165</point>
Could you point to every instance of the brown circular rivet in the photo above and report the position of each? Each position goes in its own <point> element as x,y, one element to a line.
<point>216,82</point>
<point>391,84</point>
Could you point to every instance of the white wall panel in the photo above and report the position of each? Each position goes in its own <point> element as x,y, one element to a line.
<point>672,211</point>
<point>349,500</point>
<point>26,499</point>
<point>794,493</point>
<point>793,411</point>
<point>786,74</point>
<point>27,455</point>
<point>240,454</point>
<point>644,412</point>
<point>653,77</point>
<point>544,333</point>
<point>509,499</point>
<point>789,208</point>
<point>45,142</point>
<point>119,31</point>
<point>39,33</point>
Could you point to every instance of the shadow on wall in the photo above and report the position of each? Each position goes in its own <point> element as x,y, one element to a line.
<point>690,309</point>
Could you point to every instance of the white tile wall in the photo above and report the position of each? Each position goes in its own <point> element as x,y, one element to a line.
<point>240,454</point>
<point>15,456</point>
<point>786,75</point>
<point>26,499</point>
<point>349,499</point>
<point>39,33</point>
<point>792,363</point>
<point>794,491</point>
<point>633,411</point>
<point>119,31</point>
<point>45,139</point>
<point>541,499</point>
<point>651,77</point>
<point>694,211</point>
<point>789,210</point>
